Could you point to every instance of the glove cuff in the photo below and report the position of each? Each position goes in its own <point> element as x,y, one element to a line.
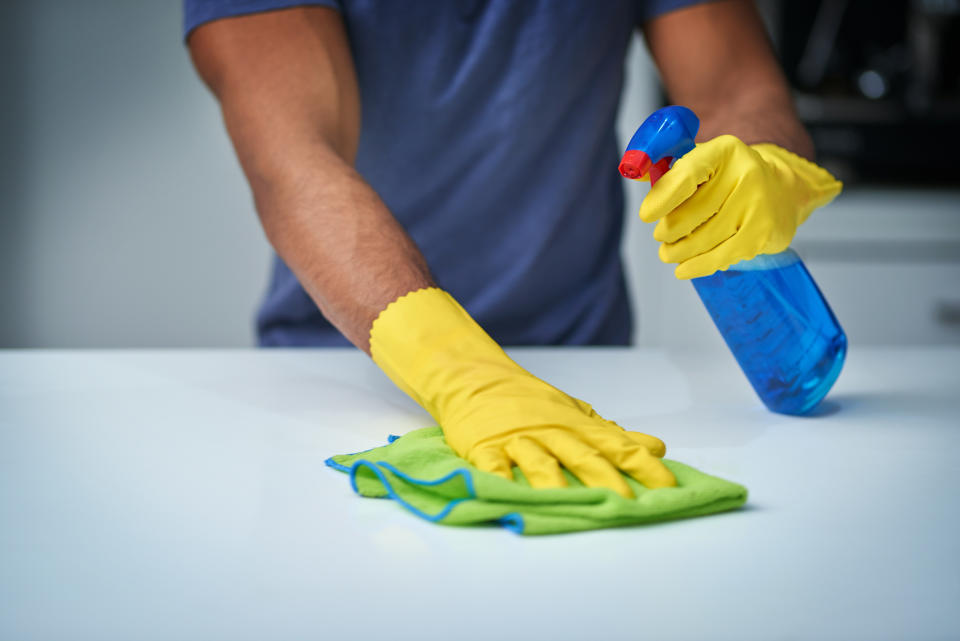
<point>429,345</point>
<point>816,186</point>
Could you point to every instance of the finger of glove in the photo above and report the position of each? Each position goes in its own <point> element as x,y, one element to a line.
<point>492,459</point>
<point>656,447</point>
<point>738,247</point>
<point>708,236</point>
<point>694,212</point>
<point>585,462</point>
<point>636,460</point>
<point>541,469</point>
<point>678,184</point>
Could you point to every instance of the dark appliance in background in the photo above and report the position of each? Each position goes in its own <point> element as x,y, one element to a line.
<point>876,83</point>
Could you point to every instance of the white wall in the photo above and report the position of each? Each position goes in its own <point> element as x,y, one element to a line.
<point>125,220</point>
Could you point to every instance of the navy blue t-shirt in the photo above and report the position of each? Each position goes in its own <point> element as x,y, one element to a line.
<point>488,130</point>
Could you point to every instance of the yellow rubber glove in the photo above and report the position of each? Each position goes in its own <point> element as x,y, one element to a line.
<point>727,201</point>
<point>493,412</point>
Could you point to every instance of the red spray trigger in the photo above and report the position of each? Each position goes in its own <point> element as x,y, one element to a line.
<point>659,168</point>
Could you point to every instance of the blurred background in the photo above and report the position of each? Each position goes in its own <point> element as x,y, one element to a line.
<point>125,220</point>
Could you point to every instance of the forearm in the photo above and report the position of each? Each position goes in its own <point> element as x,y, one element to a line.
<point>756,114</point>
<point>288,91</point>
<point>345,247</point>
<point>716,59</point>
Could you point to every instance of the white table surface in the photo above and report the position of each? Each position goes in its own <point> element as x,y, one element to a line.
<point>182,495</point>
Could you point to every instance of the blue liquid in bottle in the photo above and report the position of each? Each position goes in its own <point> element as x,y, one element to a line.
<point>779,327</point>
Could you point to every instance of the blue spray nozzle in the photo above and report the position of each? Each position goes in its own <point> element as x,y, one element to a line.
<point>668,133</point>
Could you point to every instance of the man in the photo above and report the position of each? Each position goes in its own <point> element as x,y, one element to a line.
<point>476,137</point>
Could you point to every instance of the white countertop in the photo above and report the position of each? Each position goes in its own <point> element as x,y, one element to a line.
<point>182,495</point>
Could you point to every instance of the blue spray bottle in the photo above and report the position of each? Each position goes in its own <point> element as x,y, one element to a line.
<point>768,309</point>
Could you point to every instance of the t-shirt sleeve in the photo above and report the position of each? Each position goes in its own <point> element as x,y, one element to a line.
<point>198,12</point>
<point>650,9</point>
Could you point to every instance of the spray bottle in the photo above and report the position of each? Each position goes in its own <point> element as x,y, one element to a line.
<point>768,309</point>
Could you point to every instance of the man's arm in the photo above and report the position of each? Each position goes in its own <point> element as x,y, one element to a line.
<point>750,181</point>
<point>288,91</point>
<point>716,59</point>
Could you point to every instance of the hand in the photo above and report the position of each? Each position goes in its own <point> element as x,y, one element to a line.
<point>726,201</point>
<point>493,412</point>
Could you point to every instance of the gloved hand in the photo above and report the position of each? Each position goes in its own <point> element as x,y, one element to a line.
<point>726,201</point>
<point>493,412</point>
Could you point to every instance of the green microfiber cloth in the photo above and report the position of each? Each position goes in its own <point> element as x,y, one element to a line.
<point>422,473</point>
